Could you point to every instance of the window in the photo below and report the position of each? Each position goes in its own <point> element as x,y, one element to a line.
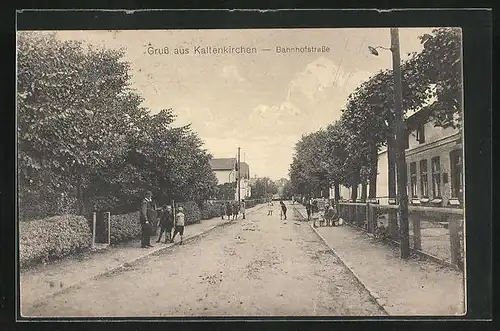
<point>407,141</point>
<point>456,173</point>
<point>424,184</point>
<point>436,177</point>
<point>413,179</point>
<point>421,134</point>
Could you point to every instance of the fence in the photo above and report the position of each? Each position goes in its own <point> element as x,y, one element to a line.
<point>435,232</point>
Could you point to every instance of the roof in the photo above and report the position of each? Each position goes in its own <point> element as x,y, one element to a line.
<point>229,164</point>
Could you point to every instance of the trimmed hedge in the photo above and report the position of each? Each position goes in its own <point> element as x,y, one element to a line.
<point>53,238</point>
<point>124,227</point>
<point>210,210</point>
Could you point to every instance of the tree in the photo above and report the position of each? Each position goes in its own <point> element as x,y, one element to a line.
<point>263,188</point>
<point>82,132</point>
<point>69,119</point>
<point>440,63</point>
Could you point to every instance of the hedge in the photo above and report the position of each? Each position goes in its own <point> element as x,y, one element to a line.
<point>53,238</point>
<point>124,227</point>
<point>210,210</point>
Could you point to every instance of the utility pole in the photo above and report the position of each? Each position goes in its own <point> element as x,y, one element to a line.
<point>400,126</point>
<point>239,177</point>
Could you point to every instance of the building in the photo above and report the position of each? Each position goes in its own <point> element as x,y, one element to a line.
<point>434,158</point>
<point>225,170</point>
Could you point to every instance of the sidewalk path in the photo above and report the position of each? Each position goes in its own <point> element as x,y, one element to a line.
<point>43,281</point>
<point>412,287</point>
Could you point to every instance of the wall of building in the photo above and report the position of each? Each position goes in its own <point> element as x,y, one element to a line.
<point>225,176</point>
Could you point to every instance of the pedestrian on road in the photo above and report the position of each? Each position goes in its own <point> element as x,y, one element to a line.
<point>145,218</point>
<point>308,209</point>
<point>270,208</point>
<point>229,210</point>
<point>166,223</point>
<point>236,210</point>
<point>222,210</point>
<point>283,209</point>
<point>242,208</point>
<point>179,224</point>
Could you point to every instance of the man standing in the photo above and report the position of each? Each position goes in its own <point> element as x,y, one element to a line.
<point>242,208</point>
<point>179,224</point>
<point>146,217</point>
<point>166,223</point>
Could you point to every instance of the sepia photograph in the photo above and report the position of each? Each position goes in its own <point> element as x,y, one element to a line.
<point>240,172</point>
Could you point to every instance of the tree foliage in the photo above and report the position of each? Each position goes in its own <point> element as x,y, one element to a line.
<point>263,188</point>
<point>83,133</point>
<point>347,151</point>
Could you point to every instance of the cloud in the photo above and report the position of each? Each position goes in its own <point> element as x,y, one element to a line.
<point>322,79</point>
<point>231,74</point>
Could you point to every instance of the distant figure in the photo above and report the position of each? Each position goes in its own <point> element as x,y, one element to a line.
<point>242,208</point>
<point>270,208</point>
<point>236,210</point>
<point>146,217</point>
<point>166,223</point>
<point>179,224</point>
<point>222,210</point>
<point>229,210</point>
<point>308,209</point>
<point>283,209</point>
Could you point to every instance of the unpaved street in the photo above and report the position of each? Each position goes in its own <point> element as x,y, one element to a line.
<point>255,267</point>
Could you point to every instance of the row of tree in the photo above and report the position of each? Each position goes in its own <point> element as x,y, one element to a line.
<point>346,151</point>
<point>85,141</point>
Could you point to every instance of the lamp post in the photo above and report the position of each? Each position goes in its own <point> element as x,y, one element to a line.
<point>399,123</point>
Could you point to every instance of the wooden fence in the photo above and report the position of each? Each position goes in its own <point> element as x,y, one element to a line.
<point>435,232</point>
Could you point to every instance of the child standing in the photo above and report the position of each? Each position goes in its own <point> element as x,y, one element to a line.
<point>179,224</point>
<point>236,210</point>
<point>270,208</point>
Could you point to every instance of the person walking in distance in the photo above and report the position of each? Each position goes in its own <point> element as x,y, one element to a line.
<point>283,209</point>
<point>236,210</point>
<point>222,210</point>
<point>270,208</point>
<point>166,223</point>
<point>146,216</point>
<point>308,209</point>
<point>229,210</point>
<point>242,208</point>
<point>179,224</point>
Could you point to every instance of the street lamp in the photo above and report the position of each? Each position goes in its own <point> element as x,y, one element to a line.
<point>400,141</point>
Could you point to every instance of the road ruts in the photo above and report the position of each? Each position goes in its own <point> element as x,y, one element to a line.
<point>260,266</point>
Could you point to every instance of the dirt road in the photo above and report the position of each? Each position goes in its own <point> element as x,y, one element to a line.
<point>260,266</point>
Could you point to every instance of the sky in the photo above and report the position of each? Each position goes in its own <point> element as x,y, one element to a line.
<point>262,102</point>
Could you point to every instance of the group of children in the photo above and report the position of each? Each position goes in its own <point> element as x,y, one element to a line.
<point>330,214</point>
<point>167,224</point>
<point>232,209</point>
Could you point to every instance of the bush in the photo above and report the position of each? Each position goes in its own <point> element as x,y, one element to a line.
<point>210,210</point>
<point>192,212</point>
<point>52,238</point>
<point>124,227</point>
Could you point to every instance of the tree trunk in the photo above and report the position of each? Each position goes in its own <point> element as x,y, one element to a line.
<point>364,189</point>
<point>337,191</point>
<point>391,159</point>
<point>354,192</point>
<point>372,194</point>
